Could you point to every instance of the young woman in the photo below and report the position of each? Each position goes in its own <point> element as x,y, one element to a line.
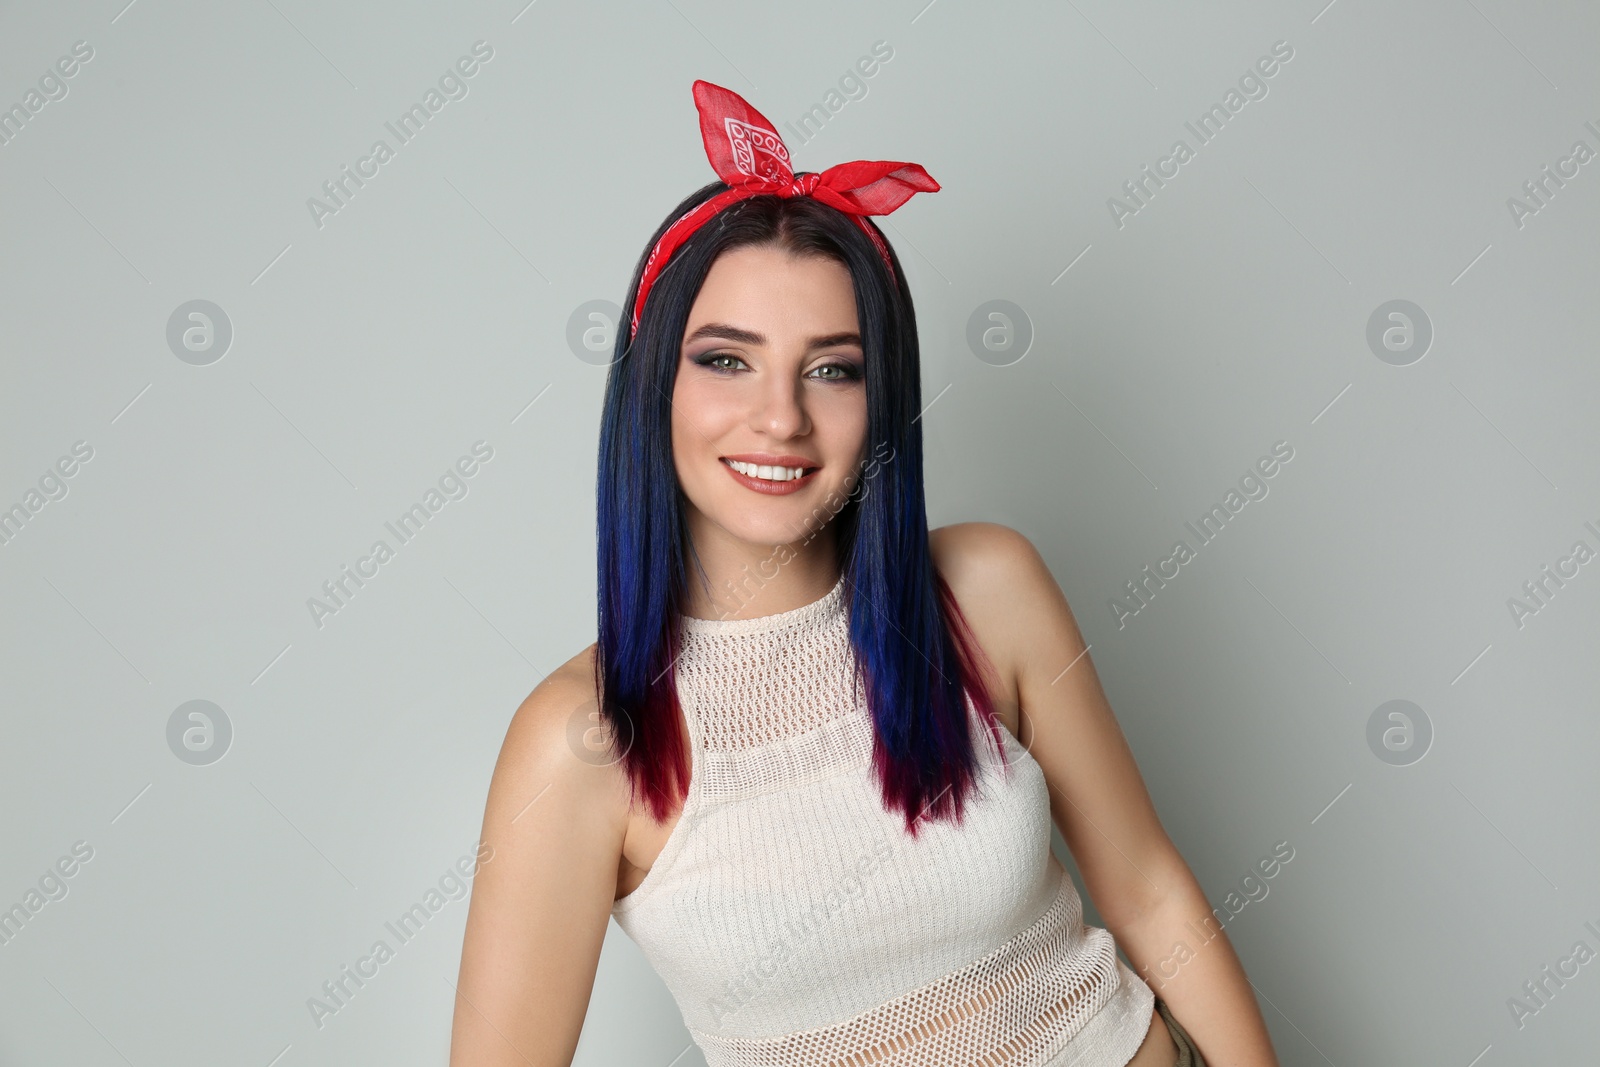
<point>834,740</point>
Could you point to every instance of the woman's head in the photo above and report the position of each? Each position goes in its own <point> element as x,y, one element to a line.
<point>777,333</point>
<point>777,329</point>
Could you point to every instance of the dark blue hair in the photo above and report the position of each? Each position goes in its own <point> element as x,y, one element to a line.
<point>912,647</point>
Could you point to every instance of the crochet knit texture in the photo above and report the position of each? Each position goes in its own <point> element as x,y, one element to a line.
<point>796,923</point>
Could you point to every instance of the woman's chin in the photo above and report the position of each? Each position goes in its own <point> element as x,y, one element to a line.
<point>783,523</point>
<point>772,519</point>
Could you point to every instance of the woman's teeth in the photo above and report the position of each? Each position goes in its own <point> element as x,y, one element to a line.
<point>771,474</point>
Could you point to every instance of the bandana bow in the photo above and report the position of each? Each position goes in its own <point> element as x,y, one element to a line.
<point>747,154</point>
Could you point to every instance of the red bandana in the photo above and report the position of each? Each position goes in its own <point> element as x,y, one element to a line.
<point>748,155</point>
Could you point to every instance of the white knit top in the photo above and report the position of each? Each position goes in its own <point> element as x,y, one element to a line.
<point>796,923</point>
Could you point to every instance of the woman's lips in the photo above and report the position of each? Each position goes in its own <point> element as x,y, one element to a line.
<point>771,488</point>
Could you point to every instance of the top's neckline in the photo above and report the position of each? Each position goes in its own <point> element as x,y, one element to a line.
<point>827,604</point>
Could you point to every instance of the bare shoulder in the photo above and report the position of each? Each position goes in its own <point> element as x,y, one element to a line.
<point>1004,577</point>
<point>573,679</point>
<point>976,553</point>
<point>991,568</point>
<point>1002,584</point>
<point>550,735</point>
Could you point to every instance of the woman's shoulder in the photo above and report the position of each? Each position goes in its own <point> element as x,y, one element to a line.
<point>983,556</point>
<point>564,691</point>
<point>551,736</point>
<point>572,680</point>
<point>995,575</point>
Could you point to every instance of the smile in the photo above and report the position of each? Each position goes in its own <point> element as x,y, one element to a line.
<point>773,480</point>
<point>771,474</point>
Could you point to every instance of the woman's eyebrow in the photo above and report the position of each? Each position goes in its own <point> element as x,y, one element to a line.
<point>750,337</point>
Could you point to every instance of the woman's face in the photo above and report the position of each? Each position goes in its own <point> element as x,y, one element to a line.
<point>771,378</point>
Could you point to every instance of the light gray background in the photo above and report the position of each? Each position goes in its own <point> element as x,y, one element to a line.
<point>432,311</point>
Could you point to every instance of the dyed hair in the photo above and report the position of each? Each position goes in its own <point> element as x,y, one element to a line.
<point>912,648</point>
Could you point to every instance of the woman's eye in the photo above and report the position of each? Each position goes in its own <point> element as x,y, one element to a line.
<point>840,372</point>
<point>719,361</point>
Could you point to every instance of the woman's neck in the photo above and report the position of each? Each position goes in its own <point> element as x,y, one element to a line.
<point>745,581</point>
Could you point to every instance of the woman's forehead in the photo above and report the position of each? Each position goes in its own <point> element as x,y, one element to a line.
<point>767,291</point>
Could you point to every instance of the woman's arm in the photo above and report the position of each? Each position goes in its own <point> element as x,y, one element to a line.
<point>540,905</point>
<point>1138,881</point>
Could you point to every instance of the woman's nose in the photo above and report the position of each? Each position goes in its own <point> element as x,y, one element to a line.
<point>781,411</point>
